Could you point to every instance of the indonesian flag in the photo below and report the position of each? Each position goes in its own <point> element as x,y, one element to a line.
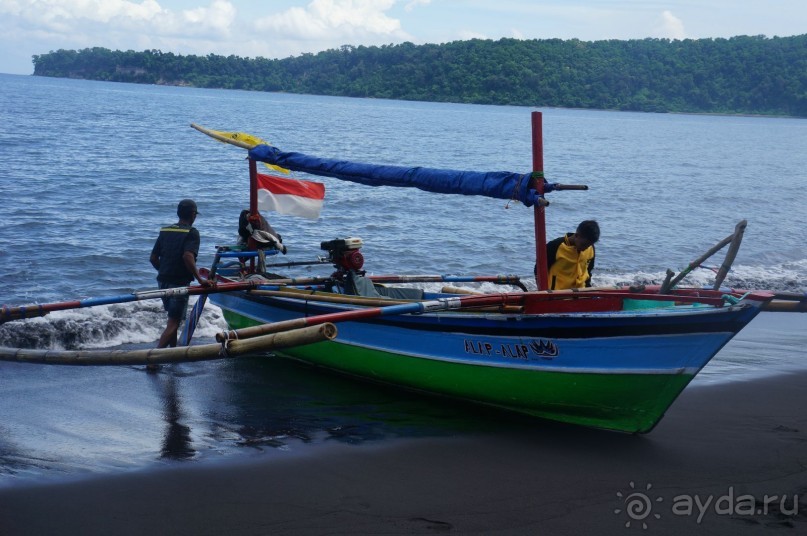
<point>290,196</point>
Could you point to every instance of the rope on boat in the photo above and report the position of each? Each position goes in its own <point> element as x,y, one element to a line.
<point>224,349</point>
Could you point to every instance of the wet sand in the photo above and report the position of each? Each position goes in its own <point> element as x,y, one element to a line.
<point>730,445</point>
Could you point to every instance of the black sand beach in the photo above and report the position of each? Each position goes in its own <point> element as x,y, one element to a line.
<point>727,459</point>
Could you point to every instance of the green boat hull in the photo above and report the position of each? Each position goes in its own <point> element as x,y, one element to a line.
<point>632,402</point>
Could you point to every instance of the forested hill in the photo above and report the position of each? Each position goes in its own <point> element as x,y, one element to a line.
<point>747,75</point>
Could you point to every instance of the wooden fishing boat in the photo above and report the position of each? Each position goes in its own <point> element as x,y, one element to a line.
<point>613,358</point>
<point>610,358</point>
<point>616,369</point>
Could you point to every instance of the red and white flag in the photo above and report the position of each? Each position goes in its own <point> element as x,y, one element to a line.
<point>290,196</point>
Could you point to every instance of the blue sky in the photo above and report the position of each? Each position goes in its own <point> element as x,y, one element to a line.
<point>282,28</point>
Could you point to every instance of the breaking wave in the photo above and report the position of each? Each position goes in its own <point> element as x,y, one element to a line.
<point>104,326</point>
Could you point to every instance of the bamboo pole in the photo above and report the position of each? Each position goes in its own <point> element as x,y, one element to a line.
<point>457,290</point>
<point>732,238</point>
<point>497,279</point>
<point>736,239</point>
<point>442,304</point>
<point>784,306</point>
<point>501,279</point>
<point>41,309</point>
<point>301,294</point>
<point>202,352</point>
<point>348,299</point>
<point>316,295</point>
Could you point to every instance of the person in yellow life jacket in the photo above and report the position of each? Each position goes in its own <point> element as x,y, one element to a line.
<point>570,258</point>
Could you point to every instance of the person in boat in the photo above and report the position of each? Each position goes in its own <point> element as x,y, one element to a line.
<point>570,258</point>
<point>174,257</point>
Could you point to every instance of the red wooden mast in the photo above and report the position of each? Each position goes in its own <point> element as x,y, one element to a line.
<point>253,187</point>
<point>541,277</point>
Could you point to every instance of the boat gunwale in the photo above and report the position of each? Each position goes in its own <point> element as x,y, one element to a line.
<point>730,319</point>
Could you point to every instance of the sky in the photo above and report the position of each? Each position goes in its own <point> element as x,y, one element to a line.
<point>283,28</point>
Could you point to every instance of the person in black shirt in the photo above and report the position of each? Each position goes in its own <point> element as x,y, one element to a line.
<point>174,258</point>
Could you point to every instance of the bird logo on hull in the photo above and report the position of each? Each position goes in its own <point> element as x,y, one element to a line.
<point>545,349</point>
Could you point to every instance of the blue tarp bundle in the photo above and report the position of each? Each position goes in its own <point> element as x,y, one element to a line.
<point>496,184</point>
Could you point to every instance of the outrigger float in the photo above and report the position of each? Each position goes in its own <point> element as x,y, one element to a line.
<point>613,358</point>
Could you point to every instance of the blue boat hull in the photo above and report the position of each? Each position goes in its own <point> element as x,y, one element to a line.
<point>617,370</point>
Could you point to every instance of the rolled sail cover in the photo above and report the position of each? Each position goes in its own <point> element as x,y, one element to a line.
<point>496,184</point>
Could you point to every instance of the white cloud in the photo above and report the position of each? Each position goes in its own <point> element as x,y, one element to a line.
<point>333,20</point>
<point>219,16</point>
<point>72,18</point>
<point>63,12</point>
<point>412,4</point>
<point>671,26</point>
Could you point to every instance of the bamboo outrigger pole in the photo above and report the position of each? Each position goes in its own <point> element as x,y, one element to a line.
<point>152,356</point>
<point>426,306</point>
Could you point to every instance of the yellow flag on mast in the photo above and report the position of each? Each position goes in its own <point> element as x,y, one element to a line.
<point>249,139</point>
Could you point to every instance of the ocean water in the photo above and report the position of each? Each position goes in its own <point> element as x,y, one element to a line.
<point>89,171</point>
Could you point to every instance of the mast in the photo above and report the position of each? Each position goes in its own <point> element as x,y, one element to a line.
<point>541,277</point>
<point>253,187</point>
<point>253,207</point>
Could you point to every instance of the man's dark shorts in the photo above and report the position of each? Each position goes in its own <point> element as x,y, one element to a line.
<point>175,306</point>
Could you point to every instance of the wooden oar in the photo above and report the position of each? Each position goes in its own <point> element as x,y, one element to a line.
<point>41,309</point>
<point>196,313</point>
<point>441,304</point>
<point>192,320</point>
<point>202,352</point>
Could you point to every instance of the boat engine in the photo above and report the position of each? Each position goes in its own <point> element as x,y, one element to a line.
<point>344,254</point>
